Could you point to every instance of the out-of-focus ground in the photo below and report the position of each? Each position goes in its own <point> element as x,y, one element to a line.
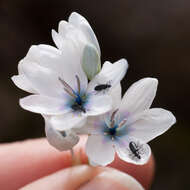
<point>153,35</point>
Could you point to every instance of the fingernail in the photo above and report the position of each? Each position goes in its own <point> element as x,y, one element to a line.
<point>112,179</point>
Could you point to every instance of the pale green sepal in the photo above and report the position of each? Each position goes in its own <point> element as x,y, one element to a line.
<point>91,62</point>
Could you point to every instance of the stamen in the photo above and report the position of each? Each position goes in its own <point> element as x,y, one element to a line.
<point>67,88</point>
<point>113,114</point>
<point>112,124</point>
<point>71,94</point>
<point>112,118</point>
<point>123,122</point>
<point>78,83</point>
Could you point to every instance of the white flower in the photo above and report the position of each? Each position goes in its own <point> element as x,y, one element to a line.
<point>77,45</point>
<point>69,103</point>
<point>61,87</point>
<point>61,91</point>
<point>43,55</point>
<point>127,129</point>
<point>61,140</point>
<point>76,33</point>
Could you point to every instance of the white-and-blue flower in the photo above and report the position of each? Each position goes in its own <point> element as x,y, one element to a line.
<point>62,93</point>
<point>126,130</point>
<point>58,79</point>
<point>76,34</point>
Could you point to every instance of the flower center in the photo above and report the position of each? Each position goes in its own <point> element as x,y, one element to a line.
<point>78,104</point>
<point>112,131</point>
<point>78,99</point>
<point>115,130</point>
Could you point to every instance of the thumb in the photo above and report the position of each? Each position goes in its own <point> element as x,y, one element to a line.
<point>86,178</point>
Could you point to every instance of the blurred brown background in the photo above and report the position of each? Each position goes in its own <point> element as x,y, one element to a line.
<point>153,35</point>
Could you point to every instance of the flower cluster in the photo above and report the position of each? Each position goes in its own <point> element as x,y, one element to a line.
<point>76,96</point>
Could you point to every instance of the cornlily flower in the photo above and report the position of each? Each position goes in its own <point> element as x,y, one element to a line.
<point>61,140</point>
<point>76,43</point>
<point>76,33</point>
<point>68,102</point>
<point>127,129</point>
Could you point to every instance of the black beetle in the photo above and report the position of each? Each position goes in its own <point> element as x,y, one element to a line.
<point>134,149</point>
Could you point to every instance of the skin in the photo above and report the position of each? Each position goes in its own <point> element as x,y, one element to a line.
<point>30,161</point>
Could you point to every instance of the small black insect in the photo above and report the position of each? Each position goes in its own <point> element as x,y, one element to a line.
<point>101,87</point>
<point>77,107</point>
<point>134,149</point>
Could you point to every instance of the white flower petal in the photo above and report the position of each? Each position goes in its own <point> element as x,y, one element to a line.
<point>125,153</point>
<point>91,127</point>
<point>116,71</point>
<point>21,82</point>
<point>68,121</point>
<point>115,93</point>
<point>139,96</point>
<point>76,33</point>
<point>67,38</point>
<point>81,23</point>
<point>58,40</point>
<point>60,140</point>
<point>43,54</point>
<point>110,74</point>
<point>151,123</point>
<point>43,80</point>
<point>71,37</point>
<point>49,57</point>
<point>100,150</point>
<point>43,105</point>
<point>64,64</point>
<point>65,29</point>
<point>72,67</point>
<point>98,104</point>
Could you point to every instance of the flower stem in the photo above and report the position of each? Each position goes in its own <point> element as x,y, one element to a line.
<point>75,160</point>
<point>72,153</point>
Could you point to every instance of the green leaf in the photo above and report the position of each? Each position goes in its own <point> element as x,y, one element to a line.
<point>91,61</point>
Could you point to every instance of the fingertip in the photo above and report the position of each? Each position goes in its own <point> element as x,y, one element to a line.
<point>110,178</point>
<point>24,162</point>
<point>137,171</point>
<point>84,177</point>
